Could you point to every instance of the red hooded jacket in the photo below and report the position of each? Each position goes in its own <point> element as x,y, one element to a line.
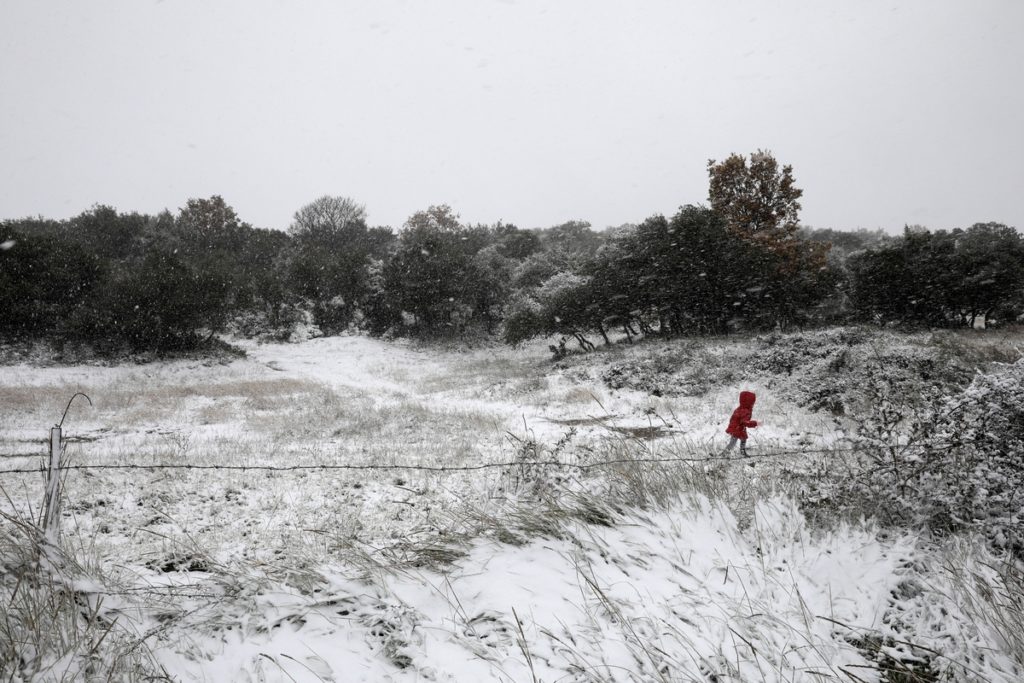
<point>740,419</point>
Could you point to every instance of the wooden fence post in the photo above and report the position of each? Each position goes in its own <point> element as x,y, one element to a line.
<point>51,500</point>
<point>51,506</point>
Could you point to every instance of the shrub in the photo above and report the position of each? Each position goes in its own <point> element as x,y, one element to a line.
<point>949,463</point>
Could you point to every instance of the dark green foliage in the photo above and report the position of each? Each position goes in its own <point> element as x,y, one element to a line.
<point>514,243</point>
<point>571,243</point>
<point>263,260</point>
<point>108,234</point>
<point>43,280</point>
<point>378,308</point>
<point>700,276</point>
<point>842,243</point>
<point>126,280</point>
<point>333,249</point>
<point>160,304</point>
<point>445,278</point>
<point>432,274</point>
<point>490,285</point>
<point>989,258</point>
<point>332,270</point>
<point>941,279</point>
<point>535,269</point>
<point>690,274</point>
<point>134,282</point>
<point>566,304</point>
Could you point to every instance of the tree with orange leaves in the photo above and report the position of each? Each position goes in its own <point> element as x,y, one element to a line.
<point>760,203</point>
<point>755,199</point>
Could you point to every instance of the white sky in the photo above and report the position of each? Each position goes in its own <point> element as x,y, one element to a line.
<point>531,112</point>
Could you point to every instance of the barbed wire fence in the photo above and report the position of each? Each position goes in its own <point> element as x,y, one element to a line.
<point>55,467</point>
<point>57,446</point>
<point>763,455</point>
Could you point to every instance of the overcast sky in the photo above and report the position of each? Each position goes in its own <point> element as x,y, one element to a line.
<point>529,112</point>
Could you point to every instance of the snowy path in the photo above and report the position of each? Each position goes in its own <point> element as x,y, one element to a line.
<point>395,372</point>
<point>359,363</point>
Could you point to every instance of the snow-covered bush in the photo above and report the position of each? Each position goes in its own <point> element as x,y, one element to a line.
<point>833,370</point>
<point>782,354</point>
<point>271,325</point>
<point>304,328</point>
<point>947,462</point>
<point>523,320</point>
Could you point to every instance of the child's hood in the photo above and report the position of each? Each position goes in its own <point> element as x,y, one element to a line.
<point>747,399</point>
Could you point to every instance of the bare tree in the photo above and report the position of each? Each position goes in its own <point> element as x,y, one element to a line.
<point>327,216</point>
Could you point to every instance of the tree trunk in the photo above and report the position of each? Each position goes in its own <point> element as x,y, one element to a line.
<point>584,342</point>
<point>677,323</point>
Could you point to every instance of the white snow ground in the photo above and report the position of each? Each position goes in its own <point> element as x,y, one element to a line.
<point>676,595</point>
<point>306,576</point>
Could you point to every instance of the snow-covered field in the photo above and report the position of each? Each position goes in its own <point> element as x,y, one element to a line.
<point>695,570</point>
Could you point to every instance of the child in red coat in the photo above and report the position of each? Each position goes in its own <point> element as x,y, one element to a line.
<point>740,420</point>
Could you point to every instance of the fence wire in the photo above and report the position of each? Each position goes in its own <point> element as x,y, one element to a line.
<point>558,464</point>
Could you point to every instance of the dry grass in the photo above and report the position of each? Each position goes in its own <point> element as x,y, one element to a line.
<point>486,372</point>
<point>56,625</point>
<point>989,591</point>
<point>241,420</point>
<point>123,401</point>
<point>577,395</point>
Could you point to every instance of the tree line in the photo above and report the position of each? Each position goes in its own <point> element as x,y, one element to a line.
<point>130,281</point>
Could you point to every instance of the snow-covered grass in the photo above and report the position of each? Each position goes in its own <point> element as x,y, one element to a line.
<point>700,569</point>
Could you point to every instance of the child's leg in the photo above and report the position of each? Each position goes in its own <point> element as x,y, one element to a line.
<point>732,442</point>
<point>743,447</point>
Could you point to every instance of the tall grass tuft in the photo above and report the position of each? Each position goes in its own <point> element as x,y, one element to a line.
<point>988,589</point>
<point>55,624</point>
